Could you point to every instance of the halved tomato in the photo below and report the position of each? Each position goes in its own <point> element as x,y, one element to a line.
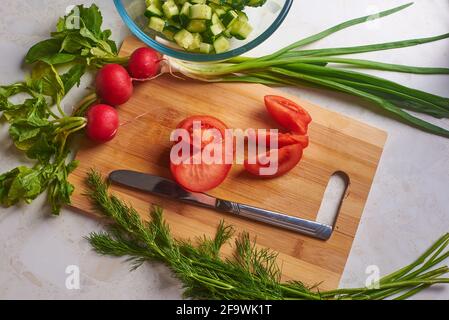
<point>202,177</point>
<point>288,114</point>
<point>284,139</point>
<point>288,158</point>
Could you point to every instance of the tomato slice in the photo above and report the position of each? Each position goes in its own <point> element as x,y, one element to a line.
<point>208,126</point>
<point>288,114</point>
<point>284,139</point>
<point>202,177</point>
<point>288,158</point>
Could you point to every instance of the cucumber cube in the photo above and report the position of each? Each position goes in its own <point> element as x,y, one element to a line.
<point>184,38</point>
<point>221,45</point>
<point>229,18</point>
<point>200,12</point>
<point>241,30</point>
<point>157,24</point>
<point>170,9</point>
<point>197,26</point>
<point>206,48</point>
<point>216,29</point>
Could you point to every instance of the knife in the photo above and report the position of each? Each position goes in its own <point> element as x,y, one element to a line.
<point>170,189</point>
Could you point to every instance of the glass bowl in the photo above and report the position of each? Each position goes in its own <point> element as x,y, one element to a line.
<point>265,20</point>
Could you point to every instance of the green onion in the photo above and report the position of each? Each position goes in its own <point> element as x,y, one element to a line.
<point>323,68</point>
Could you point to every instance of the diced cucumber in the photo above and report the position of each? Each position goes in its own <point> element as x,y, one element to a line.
<point>206,48</point>
<point>157,3</point>
<point>196,43</point>
<point>184,38</point>
<point>216,29</point>
<point>185,10</point>
<point>256,3</point>
<point>200,12</point>
<point>169,32</point>
<point>170,9</point>
<point>215,19</point>
<point>220,12</point>
<point>153,11</point>
<point>157,24</point>
<point>185,13</point>
<point>197,26</point>
<point>229,18</point>
<point>241,30</point>
<point>208,37</point>
<point>242,16</point>
<point>221,45</point>
<point>227,33</point>
<point>203,26</point>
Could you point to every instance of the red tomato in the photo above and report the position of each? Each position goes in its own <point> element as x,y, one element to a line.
<point>207,123</point>
<point>288,158</point>
<point>288,114</point>
<point>202,177</point>
<point>284,139</point>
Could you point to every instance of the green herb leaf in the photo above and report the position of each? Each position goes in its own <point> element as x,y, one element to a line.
<point>73,76</point>
<point>26,185</point>
<point>78,42</point>
<point>251,274</point>
<point>92,19</point>
<point>43,50</point>
<point>43,149</point>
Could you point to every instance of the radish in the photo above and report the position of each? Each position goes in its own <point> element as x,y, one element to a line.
<point>144,64</point>
<point>102,123</point>
<point>114,85</point>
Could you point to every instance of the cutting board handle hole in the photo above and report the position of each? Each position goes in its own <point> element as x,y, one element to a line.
<point>333,198</point>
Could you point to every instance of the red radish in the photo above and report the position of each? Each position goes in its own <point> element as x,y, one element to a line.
<point>102,123</point>
<point>114,85</point>
<point>144,64</point>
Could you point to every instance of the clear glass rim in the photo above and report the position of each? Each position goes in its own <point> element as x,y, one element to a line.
<point>196,57</point>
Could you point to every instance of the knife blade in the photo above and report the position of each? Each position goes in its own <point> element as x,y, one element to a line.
<point>170,189</point>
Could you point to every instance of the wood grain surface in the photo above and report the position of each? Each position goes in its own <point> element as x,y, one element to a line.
<point>338,143</point>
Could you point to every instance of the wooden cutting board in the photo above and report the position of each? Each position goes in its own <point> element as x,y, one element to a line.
<point>338,143</point>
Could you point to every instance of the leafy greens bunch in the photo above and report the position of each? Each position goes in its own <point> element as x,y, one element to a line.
<point>251,273</point>
<point>42,133</point>
<point>327,69</point>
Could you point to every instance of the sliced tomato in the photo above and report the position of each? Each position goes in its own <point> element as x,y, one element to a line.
<point>284,139</point>
<point>288,158</point>
<point>288,114</point>
<point>202,177</point>
<point>208,125</point>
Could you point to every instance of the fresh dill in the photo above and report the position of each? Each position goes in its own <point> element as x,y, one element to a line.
<point>250,274</point>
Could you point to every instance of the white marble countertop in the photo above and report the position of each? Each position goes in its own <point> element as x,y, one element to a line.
<point>407,210</point>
